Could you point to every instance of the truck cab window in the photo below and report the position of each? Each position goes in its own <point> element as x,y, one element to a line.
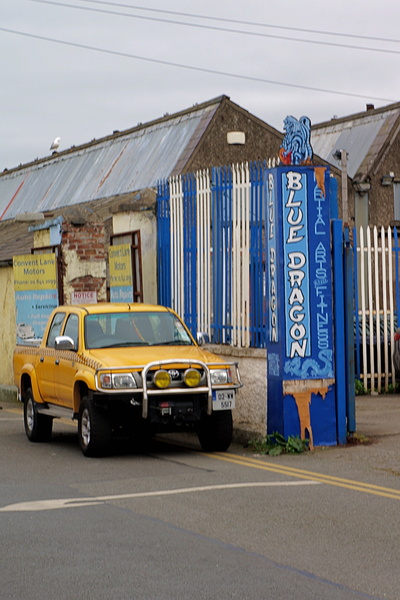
<point>71,329</point>
<point>55,329</point>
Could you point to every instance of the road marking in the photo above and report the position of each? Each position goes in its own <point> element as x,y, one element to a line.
<point>57,503</point>
<point>350,484</point>
<point>14,411</point>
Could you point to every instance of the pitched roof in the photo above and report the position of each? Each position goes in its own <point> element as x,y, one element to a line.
<point>126,161</point>
<point>364,136</point>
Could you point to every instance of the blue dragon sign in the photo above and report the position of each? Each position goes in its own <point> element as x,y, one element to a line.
<point>300,342</point>
<point>296,147</point>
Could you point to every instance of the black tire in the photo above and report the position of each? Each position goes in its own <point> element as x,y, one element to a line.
<point>38,427</point>
<point>94,429</point>
<point>215,431</point>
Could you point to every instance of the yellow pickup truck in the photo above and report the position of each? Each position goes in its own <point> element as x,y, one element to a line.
<point>122,370</point>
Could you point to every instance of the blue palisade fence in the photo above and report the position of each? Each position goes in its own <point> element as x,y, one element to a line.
<point>180,254</point>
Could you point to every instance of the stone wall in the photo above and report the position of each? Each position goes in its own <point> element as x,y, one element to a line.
<point>381,199</point>
<point>261,141</point>
<point>250,414</point>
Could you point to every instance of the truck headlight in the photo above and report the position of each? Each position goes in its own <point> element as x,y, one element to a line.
<point>220,376</point>
<point>118,381</point>
<point>123,380</point>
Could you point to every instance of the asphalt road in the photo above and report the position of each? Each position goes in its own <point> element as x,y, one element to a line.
<point>171,522</point>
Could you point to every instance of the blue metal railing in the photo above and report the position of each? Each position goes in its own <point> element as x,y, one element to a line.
<point>221,254</point>
<point>221,215</point>
<point>258,299</point>
<point>164,244</point>
<point>189,249</point>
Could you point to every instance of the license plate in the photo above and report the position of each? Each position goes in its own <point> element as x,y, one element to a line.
<point>223,399</point>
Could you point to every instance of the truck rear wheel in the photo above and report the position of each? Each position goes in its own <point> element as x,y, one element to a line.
<point>94,429</point>
<point>38,427</point>
<point>215,431</point>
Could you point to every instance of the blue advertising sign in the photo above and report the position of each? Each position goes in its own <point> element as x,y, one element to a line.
<point>296,265</point>
<point>36,294</point>
<point>301,397</point>
<point>307,275</point>
<point>272,259</point>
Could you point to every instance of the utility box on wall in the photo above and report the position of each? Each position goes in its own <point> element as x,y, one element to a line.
<point>300,345</point>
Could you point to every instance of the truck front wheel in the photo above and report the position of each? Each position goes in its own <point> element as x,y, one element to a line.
<point>215,431</point>
<point>38,427</point>
<point>94,429</point>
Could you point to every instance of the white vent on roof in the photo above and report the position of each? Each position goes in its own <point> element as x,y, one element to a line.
<point>236,137</point>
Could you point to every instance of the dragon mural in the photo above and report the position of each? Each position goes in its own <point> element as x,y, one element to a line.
<point>310,368</point>
<point>296,147</point>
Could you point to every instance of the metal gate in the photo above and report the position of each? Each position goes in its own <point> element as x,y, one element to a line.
<point>211,267</point>
<point>377,299</point>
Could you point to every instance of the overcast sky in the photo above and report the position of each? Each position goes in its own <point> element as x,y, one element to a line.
<point>97,81</point>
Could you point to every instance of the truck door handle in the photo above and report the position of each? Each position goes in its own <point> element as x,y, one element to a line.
<point>41,359</point>
<point>57,361</point>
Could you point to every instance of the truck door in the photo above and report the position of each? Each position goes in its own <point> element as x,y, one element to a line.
<point>65,369</point>
<point>48,359</point>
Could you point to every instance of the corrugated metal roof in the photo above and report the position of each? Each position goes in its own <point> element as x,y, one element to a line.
<point>15,239</point>
<point>123,163</point>
<point>355,135</point>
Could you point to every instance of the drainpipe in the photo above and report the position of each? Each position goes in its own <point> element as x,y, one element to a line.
<point>342,156</point>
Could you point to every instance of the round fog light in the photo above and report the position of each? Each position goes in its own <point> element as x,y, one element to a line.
<point>162,379</point>
<point>191,377</point>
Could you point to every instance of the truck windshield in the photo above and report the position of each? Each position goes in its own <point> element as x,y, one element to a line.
<point>113,330</point>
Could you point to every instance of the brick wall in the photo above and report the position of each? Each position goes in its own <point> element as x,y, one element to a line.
<point>84,259</point>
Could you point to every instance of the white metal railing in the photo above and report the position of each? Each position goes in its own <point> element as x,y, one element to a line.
<point>203,260</point>
<point>376,306</point>
<point>177,250</point>
<point>241,256</point>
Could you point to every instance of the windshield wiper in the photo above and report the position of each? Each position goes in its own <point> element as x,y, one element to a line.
<point>172,343</point>
<point>125,344</point>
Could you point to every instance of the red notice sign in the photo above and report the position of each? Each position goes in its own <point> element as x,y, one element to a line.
<point>84,298</point>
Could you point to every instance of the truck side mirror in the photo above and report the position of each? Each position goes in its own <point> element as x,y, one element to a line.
<point>202,338</point>
<point>64,342</point>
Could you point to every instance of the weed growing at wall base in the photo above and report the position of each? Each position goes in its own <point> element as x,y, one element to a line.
<point>275,444</point>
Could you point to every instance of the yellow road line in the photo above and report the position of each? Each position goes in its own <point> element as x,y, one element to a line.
<point>359,486</point>
<point>14,411</point>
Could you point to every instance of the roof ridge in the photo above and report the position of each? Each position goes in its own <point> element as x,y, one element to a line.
<point>118,134</point>
<point>360,115</point>
<point>166,117</point>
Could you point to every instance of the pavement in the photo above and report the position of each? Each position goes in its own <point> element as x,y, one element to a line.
<point>372,454</point>
<point>377,437</point>
<point>378,416</point>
